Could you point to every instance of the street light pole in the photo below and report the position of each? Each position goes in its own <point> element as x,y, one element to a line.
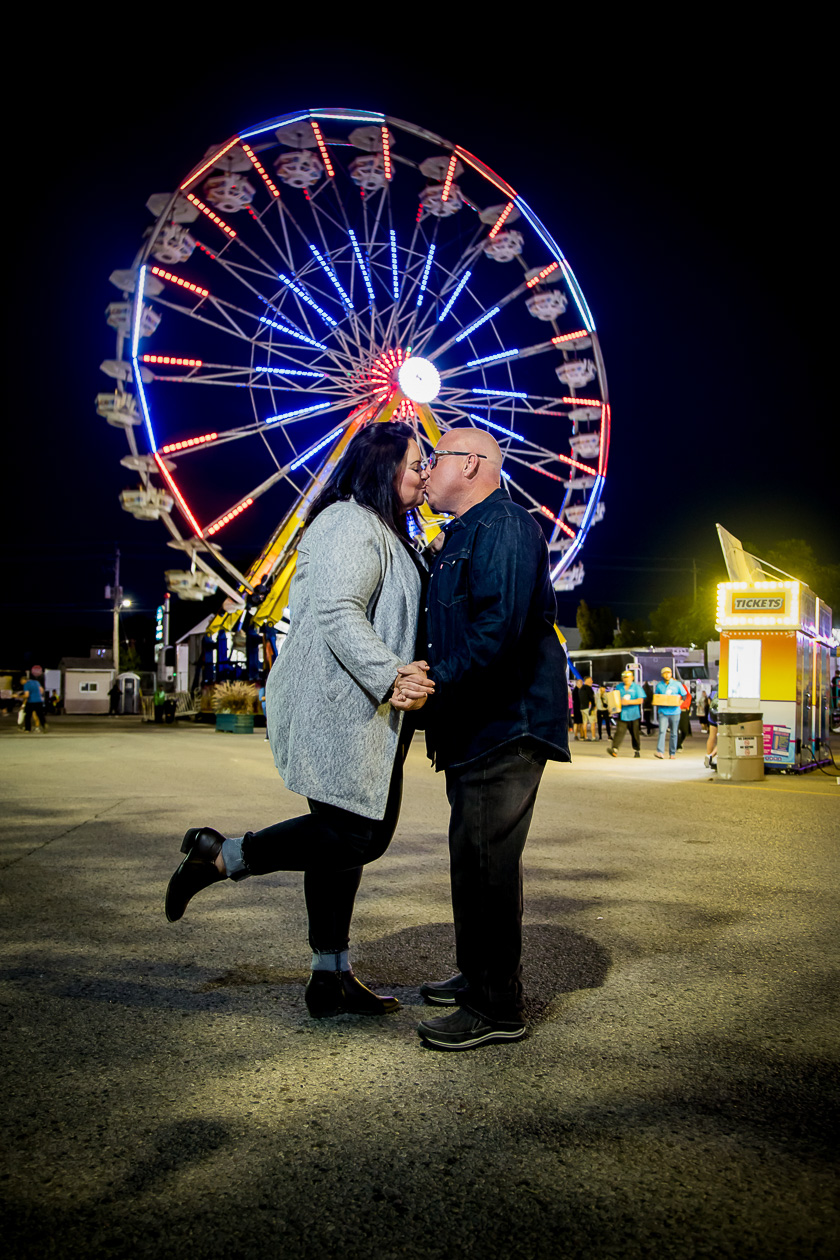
<point>117,603</point>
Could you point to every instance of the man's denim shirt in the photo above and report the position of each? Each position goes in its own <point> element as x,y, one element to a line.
<point>499,667</point>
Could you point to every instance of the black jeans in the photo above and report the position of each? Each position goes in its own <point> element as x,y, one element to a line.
<point>621,729</point>
<point>38,710</point>
<point>684,727</point>
<point>330,845</point>
<point>604,718</point>
<point>492,802</point>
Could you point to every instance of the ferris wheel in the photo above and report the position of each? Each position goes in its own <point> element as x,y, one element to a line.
<point>325,270</point>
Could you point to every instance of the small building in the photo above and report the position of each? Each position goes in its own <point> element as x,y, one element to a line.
<point>86,681</point>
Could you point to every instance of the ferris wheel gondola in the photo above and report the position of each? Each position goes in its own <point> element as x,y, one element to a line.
<point>322,271</point>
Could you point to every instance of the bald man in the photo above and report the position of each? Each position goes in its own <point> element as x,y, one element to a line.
<point>499,712</point>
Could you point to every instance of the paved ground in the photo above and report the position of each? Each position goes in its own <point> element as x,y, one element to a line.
<point>169,1095</point>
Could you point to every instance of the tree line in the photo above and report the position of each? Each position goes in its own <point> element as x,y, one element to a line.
<point>684,620</point>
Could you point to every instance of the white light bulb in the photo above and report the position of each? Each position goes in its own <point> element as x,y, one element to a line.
<point>419,380</point>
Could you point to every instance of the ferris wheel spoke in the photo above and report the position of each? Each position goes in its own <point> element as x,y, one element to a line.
<point>232,331</point>
<point>488,313</point>
<point>363,257</point>
<point>329,266</point>
<point>413,256</point>
<point>497,359</point>
<point>260,220</point>
<point>384,199</point>
<point>345,229</point>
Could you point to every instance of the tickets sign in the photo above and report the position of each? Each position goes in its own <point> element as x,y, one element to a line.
<point>759,603</point>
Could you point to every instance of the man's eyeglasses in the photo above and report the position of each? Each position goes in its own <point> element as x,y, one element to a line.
<point>436,455</point>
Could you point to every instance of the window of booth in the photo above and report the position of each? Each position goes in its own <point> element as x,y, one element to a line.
<point>89,686</point>
<point>744,668</point>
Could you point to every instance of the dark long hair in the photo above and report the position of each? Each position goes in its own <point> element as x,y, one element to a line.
<point>368,471</point>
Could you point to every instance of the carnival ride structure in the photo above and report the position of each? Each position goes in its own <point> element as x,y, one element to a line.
<point>325,270</point>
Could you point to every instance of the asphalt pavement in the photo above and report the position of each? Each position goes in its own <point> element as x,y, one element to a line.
<point>169,1095</point>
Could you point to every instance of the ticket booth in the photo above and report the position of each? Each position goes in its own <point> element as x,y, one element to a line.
<point>775,639</point>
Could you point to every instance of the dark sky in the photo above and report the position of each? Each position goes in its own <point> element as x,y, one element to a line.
<point>686,190</point>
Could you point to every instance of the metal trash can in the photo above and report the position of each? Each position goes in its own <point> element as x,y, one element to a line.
<point>740,750</point>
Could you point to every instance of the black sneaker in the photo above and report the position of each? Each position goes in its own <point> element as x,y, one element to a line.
<point>463,1030</point>
<point>442,992</point>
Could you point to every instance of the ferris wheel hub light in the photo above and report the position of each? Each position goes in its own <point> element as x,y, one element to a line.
<point>419,380</point>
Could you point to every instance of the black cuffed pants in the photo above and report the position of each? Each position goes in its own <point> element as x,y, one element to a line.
<point>492,802</point>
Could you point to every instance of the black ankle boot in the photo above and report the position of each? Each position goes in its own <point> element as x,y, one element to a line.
<point>198,870</point>
<point>339,992</point>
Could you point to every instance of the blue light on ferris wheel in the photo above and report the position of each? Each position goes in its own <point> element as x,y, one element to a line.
<point>332,276</point>
<point>556,251</point>
<point>349,116</point>
<point>280,371</point>
<point>270,126</point>
<point>482,319</point>
<point>359,259</point>
<point>304,297</point>
<point>425,278</point>
<point>395,275</point>
<point>464,278</point>
<point>500,393</point>
<point>290,415</point>
<point>498,427</point>
<point>292,332</point>
<point>141,393</point>
<point>491,358</point>
<point>138,311</point>
<point>319,446</point>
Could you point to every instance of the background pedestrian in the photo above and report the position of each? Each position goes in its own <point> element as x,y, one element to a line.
<point>631,696</point>
<point>668,713</point>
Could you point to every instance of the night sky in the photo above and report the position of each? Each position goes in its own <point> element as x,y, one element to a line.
<point>686,192</point>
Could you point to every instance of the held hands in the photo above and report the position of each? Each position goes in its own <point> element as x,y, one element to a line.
<point>411,687</point>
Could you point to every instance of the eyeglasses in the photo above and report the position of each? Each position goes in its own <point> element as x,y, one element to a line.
<point>436,455</point>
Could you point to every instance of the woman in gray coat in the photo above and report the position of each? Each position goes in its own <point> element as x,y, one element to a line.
<point>336,739</point>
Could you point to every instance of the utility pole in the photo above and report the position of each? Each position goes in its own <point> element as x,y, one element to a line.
<point>117,604</point>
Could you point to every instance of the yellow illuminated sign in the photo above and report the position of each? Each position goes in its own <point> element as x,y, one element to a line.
<point>756,604</point>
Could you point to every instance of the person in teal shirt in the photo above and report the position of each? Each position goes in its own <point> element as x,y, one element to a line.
<point>34,705</point>
<point>669,716</point>
<point>632,696</point>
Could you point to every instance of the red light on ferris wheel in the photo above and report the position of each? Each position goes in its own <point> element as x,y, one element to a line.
<point>328,166</point>
<point>450,175</point>
<point>228,516</point>
<point>187,443</point>
<point>165,473</point>
<point>184,284</point>
<point>211,215</point>
<point>258,166</point>
<point>386,154</point>
<point>497,226</point>
<point>546,271</point>
<point>208,164</point>
<point>168,360</point>
<point>575,336</point>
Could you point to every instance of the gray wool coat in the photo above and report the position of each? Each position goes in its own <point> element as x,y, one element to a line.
<point>353,608</point>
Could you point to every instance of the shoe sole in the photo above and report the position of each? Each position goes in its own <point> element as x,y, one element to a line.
<point>187,845</point>
<point>434,1000</point>
<point>332,1011</point>
<point>482,1039</point>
